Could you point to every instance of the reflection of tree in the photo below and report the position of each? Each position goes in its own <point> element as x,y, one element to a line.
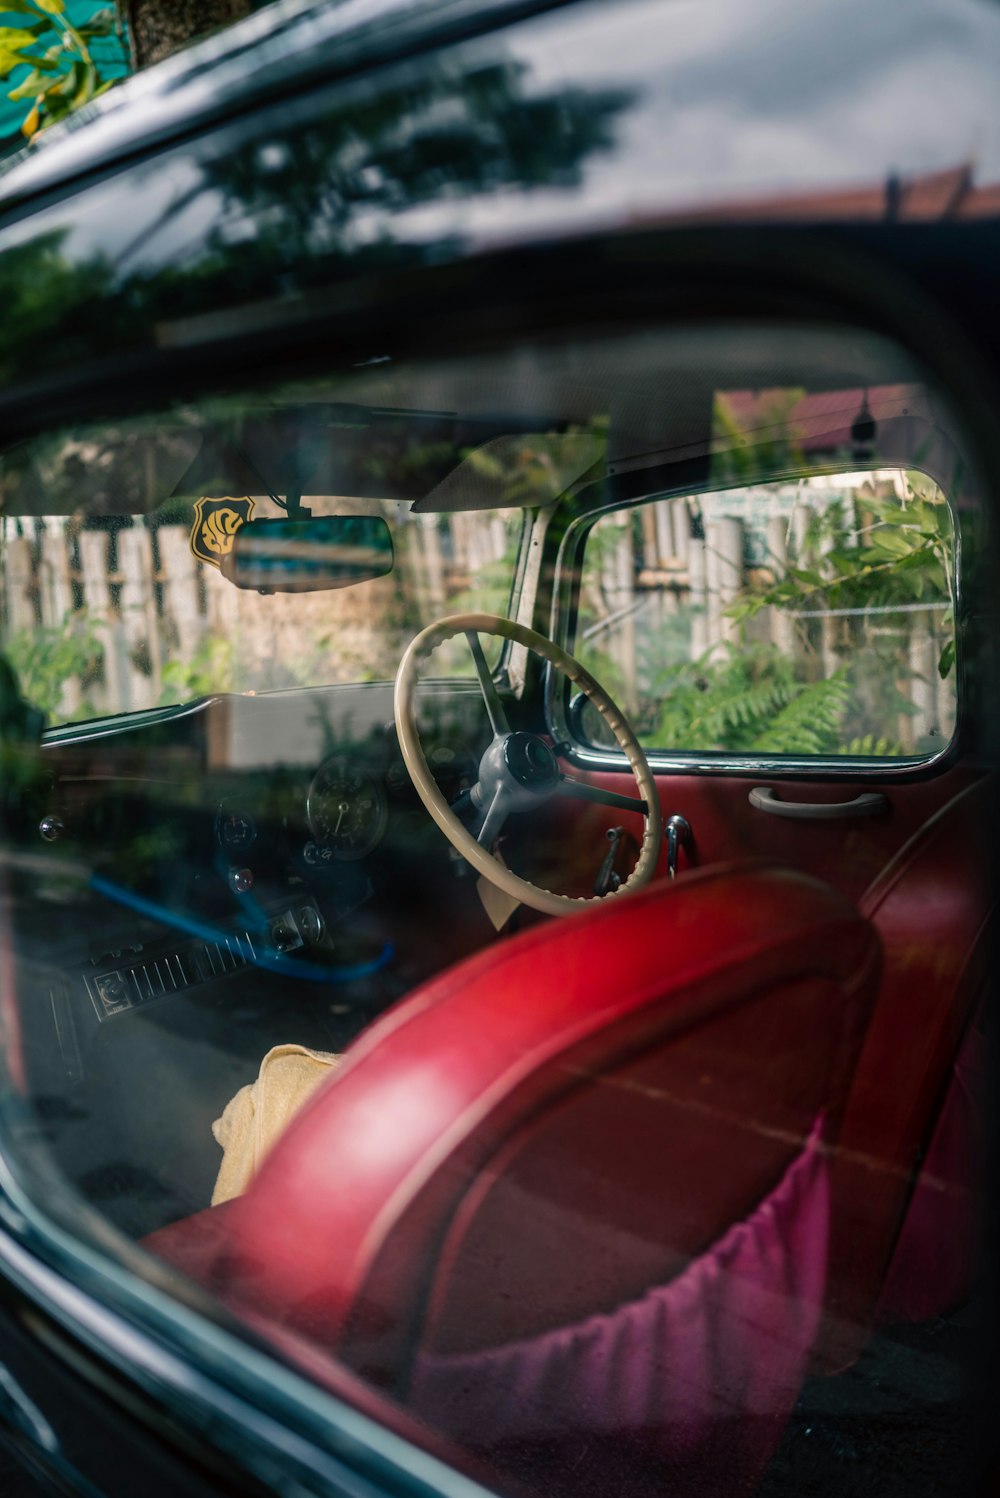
<point>329,191</point>
<point>299,205</point>
<point>54,309</point>
<point>742,456</point>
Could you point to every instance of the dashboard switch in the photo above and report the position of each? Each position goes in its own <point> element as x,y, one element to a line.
<point>240,880</point>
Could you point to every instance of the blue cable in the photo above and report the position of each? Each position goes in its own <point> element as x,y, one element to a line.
<point>288,967</point>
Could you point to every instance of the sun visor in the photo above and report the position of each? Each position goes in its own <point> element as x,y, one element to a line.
<point>77,473</point>
<point>522,472</point>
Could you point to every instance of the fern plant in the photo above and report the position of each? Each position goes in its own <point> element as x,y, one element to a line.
<point>750,701</point>
<point>810,721</point>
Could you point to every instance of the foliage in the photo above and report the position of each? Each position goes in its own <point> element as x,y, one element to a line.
<point>46,657</point>
<point>858,570</point>
<point>743,457</point>
<point>536,468</point>
<point>210,669</point>
<point>63,73</point>
<point>750,701</point>
<point>900,554</point>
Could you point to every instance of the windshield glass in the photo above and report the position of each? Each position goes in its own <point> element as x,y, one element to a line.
<point>117,542</point>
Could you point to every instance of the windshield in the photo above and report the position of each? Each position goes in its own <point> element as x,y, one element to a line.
<point>117,543</point>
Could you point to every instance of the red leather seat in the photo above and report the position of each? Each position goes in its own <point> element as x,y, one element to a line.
<point>568,1202</point>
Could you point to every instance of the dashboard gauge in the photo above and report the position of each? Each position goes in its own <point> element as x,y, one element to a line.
<point>345,809</point>
<point>235,829</point>
<point>453,766</point>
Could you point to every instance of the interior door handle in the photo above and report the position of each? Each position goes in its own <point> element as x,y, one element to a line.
<point>869,804</point>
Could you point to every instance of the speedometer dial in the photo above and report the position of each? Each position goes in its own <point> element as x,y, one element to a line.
<point>345,809</point>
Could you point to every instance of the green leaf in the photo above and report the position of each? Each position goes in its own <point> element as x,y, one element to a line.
<point>11,60</point>
<point>51,7</point>
<point>87,86</point>
<point>947,660</point>
<point>72,83</point>
<point>13,38</point>
<point>35,83</point>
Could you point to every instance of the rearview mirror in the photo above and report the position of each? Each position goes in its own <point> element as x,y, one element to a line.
<point>306,556</point>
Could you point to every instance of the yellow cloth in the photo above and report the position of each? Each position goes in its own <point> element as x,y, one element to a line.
<point>253,1120</point>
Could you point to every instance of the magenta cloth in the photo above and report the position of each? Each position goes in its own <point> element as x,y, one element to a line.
<point>934,1262</point>
<point>695,1380</point>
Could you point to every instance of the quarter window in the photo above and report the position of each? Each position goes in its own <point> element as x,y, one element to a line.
<point>803,617</point>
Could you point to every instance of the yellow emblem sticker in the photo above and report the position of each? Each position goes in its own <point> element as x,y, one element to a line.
<point>216,522</point>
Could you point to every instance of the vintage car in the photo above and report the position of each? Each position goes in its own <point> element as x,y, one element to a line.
<point>498,717</point>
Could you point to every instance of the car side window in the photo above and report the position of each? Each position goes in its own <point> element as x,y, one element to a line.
<point>798,617</point>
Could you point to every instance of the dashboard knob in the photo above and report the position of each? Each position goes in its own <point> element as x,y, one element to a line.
<point>52,828</point>
<point>311,925</point>
<point>281,937</point>
<point>240,880</point>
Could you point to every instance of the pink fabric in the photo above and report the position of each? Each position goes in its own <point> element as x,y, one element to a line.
<point>695,1380</point>
<point>935,1258</point>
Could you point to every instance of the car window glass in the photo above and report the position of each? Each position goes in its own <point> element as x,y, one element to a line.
<point>291,1009</point>
<point>807,616</point>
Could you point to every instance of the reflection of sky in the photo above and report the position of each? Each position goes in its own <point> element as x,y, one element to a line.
<point>730,100</point>
<point>738,99</point>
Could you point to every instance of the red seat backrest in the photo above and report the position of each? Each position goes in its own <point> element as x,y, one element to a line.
<point>599,1108</point>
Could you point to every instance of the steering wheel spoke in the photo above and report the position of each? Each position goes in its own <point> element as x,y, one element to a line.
<point>494,707</point>
<point>583,791</point>
<point>493,821</point>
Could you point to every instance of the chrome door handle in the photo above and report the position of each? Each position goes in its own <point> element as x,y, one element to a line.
<point>869,804</point>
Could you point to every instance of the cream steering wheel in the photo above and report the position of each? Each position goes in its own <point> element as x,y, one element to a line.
<point>519,771</point>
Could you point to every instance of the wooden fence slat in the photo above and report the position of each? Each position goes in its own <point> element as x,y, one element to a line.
<point>20,583</point>
<point>112,696</point>
<point>698,591</point>
<point>680,529</point>
<point>181,600</point>
<point>780,627</point>
<point>923,684</point>
<point>56,589</point>
<point>221,601</point>
<point>663,533</point>
<point>435,563</point>
<point>138,615</point>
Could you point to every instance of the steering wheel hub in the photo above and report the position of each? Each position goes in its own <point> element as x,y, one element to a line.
<point>530,762</point>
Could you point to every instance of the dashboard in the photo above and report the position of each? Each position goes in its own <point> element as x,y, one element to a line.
<point>277,836</point>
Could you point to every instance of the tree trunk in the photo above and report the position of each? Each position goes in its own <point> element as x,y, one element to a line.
<point>157,28</point>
